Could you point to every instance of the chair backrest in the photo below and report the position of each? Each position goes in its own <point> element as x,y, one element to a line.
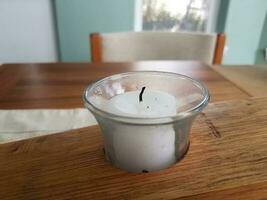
<point>138,46</point>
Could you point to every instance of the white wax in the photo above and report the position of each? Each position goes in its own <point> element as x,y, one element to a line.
<point>138,148</point>
<point>154,104</point>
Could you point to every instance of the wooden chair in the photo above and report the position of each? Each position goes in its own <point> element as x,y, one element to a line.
<point>137,46</point>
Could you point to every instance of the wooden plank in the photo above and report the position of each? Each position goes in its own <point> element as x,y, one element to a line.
<point>250,78</point>
<point>60,85</point>
<point>256,191</point>
<point>227,154</point>
<point>219,49</point>
<point>96,47</point>
<point>8,79</point>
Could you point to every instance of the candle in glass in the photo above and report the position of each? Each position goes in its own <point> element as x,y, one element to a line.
<point>145,129</point>
<point>148,148</point>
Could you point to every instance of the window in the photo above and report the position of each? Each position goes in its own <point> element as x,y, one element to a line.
<point>174,15</point>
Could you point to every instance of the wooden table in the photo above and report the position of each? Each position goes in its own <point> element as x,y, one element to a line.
<point>250,78</point>
<point>227,158</point>
<point>62,85</point>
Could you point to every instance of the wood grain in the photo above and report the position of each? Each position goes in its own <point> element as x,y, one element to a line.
<point>95,46</point>
<point>71,165</point>
<point>250,78</point>
<point>219,49</point>
<point>60,85</point>
<point>246,192</point>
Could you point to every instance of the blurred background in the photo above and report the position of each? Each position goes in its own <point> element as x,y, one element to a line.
<point>58,30</point>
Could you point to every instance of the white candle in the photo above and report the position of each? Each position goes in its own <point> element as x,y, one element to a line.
<point>154,104</point>
<point>148,133</point>
<point>138,148</point>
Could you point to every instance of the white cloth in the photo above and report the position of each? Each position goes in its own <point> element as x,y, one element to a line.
<point>156,45</point>
<point>22,124</point>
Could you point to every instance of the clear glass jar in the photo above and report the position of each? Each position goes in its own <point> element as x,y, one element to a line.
<point>145,131</point>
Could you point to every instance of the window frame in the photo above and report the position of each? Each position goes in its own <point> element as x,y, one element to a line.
<point>211,21</point>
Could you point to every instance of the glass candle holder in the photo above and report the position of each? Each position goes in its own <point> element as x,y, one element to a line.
<point>145,117</point>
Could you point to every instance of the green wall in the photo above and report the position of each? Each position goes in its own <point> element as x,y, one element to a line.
<point>243,21</point>
<point>260,59</point>
<point>222,15</point>
<point>245,26</point>
<point>76,19</point>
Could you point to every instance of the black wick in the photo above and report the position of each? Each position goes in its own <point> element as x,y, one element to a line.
<point>141,94</point>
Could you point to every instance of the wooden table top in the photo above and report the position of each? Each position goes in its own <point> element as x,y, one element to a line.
<point>251,78</point>
<point>61,85</point>
<point>227,158</point>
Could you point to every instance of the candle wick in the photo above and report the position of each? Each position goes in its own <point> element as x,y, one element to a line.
<point>141,94</point>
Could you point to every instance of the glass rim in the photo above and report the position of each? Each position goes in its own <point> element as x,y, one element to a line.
<point>148,120</point>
